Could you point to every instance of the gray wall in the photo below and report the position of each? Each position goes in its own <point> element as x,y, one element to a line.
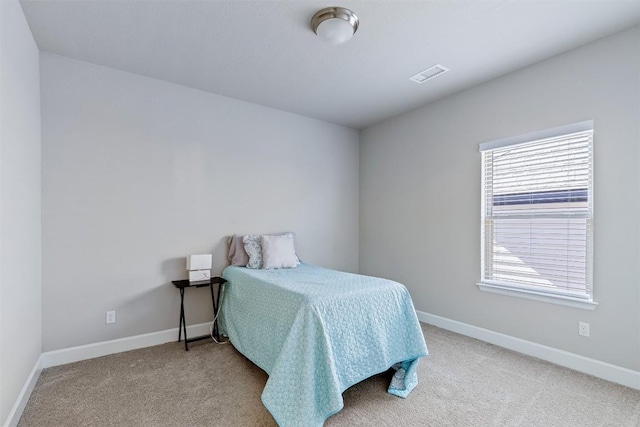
<point>139,173</point>
<point>420,197</point>
<point>20,248</point>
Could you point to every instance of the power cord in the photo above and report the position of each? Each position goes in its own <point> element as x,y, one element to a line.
<point>220,299</point>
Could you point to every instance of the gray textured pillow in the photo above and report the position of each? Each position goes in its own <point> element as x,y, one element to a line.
<point>236,253</point>
<point>254,250</point>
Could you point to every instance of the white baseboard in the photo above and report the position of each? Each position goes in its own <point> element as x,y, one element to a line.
<point>606,371</point>
<point>16,411</point>
<point>104,348</point>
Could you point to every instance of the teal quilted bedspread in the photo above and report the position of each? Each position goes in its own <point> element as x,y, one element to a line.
<point>317,332</point>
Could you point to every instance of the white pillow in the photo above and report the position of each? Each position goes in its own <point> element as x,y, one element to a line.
<point>278,252</point>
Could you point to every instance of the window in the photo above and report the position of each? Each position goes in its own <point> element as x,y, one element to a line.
<point>537,209</point>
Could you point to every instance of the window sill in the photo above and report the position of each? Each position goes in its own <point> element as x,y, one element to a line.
<point>538,296</point>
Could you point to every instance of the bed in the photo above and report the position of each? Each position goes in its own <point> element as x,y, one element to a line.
<point>316,332</point>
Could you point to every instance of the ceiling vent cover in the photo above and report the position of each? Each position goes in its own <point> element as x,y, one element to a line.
<point>429,73</point>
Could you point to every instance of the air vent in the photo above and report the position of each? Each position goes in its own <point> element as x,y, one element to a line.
<point>429,73</point>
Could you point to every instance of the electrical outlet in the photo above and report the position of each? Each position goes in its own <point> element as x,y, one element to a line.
<point>583,329</point>
<point>110,317</point>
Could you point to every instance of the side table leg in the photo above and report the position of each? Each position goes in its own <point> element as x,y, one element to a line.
<point>181,315</point>
<point>215,311</point>
<point>184,326</point>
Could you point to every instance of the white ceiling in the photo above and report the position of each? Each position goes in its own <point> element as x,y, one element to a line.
<point>265,52</point>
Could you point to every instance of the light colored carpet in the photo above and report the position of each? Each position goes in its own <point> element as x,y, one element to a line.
<point>464,382</point>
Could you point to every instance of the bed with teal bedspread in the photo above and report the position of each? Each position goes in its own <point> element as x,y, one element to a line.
<point>316,332</point>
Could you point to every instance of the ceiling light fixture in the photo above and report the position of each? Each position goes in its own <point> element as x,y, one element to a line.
<point>335,24</point>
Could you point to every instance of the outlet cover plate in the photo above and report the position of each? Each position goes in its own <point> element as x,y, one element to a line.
<point>110,317</point>
<point>583,329</point>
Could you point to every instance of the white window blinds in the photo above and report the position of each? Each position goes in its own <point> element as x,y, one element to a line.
<point>537,209</point>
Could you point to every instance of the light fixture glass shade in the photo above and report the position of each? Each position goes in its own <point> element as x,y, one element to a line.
<point>335,25</point>
<point>335,31</point>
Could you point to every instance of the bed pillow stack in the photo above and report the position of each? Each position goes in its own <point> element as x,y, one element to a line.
<point>263,251</point>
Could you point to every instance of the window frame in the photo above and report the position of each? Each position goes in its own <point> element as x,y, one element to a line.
<point>524,291</point>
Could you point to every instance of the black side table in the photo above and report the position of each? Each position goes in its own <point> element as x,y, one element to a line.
<point>182,284</point>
